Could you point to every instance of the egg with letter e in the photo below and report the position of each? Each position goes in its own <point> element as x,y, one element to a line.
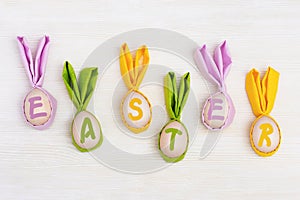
<point>37,107</point>
<point>215,111</point>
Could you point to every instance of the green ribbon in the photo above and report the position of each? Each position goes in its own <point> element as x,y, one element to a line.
<point>175,100</point>
<point>82,90</point>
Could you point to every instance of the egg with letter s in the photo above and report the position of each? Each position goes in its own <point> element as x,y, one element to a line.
<point>136,111</point>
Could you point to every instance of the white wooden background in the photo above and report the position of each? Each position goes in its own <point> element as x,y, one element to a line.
<point>45,165</point>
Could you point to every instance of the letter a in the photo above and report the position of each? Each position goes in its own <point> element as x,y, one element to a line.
<point>90,132</point>
<point>266,129</point>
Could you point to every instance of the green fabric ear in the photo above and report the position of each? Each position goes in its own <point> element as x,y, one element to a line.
<point>87,82</point>
<point>175,101</point>
<point>170,90</point>
<point>70,81</point>
<point>184,90</point>
<point>81,92</point>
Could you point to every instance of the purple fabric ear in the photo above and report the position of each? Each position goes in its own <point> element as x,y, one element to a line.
<point>215,68</point>
<point>223,60</point>
<point>36,70</point>
<point>206,63</point>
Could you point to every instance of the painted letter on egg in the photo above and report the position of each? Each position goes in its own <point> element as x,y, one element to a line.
<point>33,105</point>
<point>87,123</point>
<point>173,131</point>
<point>213,107</point>
<point>136,108</point>
<point>266,129</point>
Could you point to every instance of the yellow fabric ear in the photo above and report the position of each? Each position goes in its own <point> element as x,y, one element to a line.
<point>141,64</point>
<point>126,65</point>
<point>133,69</point>
<point>262,94</point>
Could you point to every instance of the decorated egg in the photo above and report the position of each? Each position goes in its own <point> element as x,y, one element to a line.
<point>86,131</point>
<point>215,111</point>
<point>136,111</point>
<point>265,136</point>
<point>173,141</point>
<point>37,107</point>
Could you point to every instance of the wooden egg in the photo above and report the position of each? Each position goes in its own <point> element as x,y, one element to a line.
<point>173,140</point>
<point>265,136</point>
<point>37,107</point>
<point>215,111</point>
<point>86,131</point>
<point>136,111</point>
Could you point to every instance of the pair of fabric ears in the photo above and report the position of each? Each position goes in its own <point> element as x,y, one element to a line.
<point>262,93</point>
<point>35,70</point>
<point>216,67</point>
<point>82,90</point>
<point>176,98</point>
<point>133,68</point>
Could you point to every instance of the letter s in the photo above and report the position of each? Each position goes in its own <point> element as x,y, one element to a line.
<point>136,108</point>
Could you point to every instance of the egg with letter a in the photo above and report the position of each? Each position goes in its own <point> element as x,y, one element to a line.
<point>173,141</point>
<point>215,111</point>
<point>265,136</point>
<point>136,111</point>
<point>37,107</point>
<point>86,131</point>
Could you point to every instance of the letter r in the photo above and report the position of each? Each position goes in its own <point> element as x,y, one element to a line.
<point>266,130</point>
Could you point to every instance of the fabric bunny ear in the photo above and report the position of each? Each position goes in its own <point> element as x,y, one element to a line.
<point>141,63</point>
<point>35,71</point>
<point>183,93</point>
<point>170,91</point>
<point>223,60</point>
<point>126,65</point>
<point>82,90</point>
<point>41,60</point>
<point>26,58</point>
<point>132,68</point>
<point>176,99</point>
<point>70,81</point>
<point>262,93</point>
<point>206,63</point>
<point>87,83</point>
<point>216,68</point>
